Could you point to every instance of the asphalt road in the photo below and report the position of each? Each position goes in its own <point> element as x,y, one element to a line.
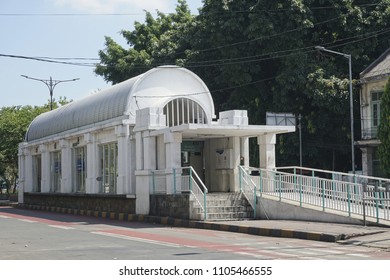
<point>36,235</point>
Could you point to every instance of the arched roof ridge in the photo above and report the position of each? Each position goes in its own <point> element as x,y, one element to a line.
<point>120,101</point>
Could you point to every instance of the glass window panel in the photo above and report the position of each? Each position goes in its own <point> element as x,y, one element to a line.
<point>109,170</point>
<point>55,171</point>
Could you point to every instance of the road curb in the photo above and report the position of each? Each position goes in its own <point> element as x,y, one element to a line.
<point>174,222</point>
<point>5,203</point>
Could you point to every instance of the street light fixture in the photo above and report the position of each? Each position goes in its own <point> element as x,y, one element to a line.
<point>51,85</point>
<point>348,56</point>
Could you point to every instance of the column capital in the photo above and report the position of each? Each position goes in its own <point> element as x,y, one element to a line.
<point>63,144</point>
<point>89,138</point>
<point>266,139</point>
<point>172,137</point>
<point>122,130</point>
<point>43,148</point>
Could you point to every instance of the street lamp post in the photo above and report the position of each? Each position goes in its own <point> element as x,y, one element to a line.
<point>51,85</point>
<point>348,56</point>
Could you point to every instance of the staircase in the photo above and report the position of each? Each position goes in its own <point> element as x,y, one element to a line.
<point>223,207</point>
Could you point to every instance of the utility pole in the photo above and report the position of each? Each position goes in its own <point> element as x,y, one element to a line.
<point>300,140</point>
<point>51,85</point>
<point>347,56</point>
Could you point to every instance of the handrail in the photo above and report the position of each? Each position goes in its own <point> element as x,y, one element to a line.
<point>188,182</point>
<point>334,172</point>
<point>201,188</point>
<point>252,189</point>
<point>328,193</point>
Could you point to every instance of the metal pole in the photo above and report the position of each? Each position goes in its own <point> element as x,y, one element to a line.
<point>300,141</point>
<point>50,85</point>
<point>348,56</point>
<point>351,112</point>
<point>364,210</point>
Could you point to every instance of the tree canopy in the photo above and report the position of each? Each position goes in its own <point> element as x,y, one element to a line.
<point>259,55</point>
<point>14,122</point>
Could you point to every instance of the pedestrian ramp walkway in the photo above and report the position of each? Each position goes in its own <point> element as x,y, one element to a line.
<point>363,198</point>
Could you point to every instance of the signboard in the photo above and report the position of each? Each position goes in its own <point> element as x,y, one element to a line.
<point>283,119</point>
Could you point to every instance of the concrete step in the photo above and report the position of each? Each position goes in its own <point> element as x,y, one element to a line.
<point>224,206</point>
<point>228,216</point>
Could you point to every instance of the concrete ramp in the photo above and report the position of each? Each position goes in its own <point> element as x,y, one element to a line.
<point>270,208</point>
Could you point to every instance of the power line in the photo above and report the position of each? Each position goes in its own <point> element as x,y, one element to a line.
<point>50,60</point>
<point>228,12</point>
<point>211,63</point>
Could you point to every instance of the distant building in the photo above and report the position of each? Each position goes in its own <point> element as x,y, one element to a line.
<point>372,80</point>
<point>100,152</point>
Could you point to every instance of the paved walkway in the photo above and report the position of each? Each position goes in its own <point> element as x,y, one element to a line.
<point>330,232</point>
<point>372,236</point>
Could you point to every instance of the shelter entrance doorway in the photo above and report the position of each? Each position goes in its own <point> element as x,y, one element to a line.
<point>192,155</point>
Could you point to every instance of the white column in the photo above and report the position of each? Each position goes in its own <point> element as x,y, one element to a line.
<point>45,157</point>
<point>244,146</point>
<point>124,157</point>
<point>139,151</point>
<point>234,174</point>
<point>173,156</point>
<point>364,161</point>
<point>149,144</point>
<point>21,172</point>
<point>28,179</point>
<point>147,119</point>
<point>66,166</point>
<point>142,189</point>
<point>91,184</point>
<point>267,150</point>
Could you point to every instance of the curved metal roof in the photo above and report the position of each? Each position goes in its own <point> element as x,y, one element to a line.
<point>154,88</point>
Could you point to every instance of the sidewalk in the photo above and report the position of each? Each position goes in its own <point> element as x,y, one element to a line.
<point>373,236</point>
<point>378,237</point>
<point>4,202</point>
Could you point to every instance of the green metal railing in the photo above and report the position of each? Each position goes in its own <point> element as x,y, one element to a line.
<point>248,189</point>
<point>348,193</point>
<point>183,180</point>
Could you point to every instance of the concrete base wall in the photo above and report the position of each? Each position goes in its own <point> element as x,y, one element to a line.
<point>175,206</point>
<point>93,202</point>
<point>276,210</point>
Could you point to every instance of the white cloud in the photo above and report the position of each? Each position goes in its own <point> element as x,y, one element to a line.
<point>117,6</point>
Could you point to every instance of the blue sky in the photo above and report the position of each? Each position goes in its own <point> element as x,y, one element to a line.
<point>31,28</point>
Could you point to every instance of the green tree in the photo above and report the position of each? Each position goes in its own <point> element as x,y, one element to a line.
<point>259,55</point>
<point>158,41</point>
<point>384,130</point>
<point>267,62</point>
<point>14,122</point>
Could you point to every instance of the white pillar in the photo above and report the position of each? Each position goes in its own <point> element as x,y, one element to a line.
<point>267,150</point>
<point>45,158</point>
<point>364,161</point>
<point>147,120</point>
<point>21,172</point>
<point>91,184</point>
<point>142,190</point>
<point>234,174</point>
<point>139,151</point>
<point>66,166</point>
<point>244,146</point>
<point>173,156</point>
<point>124,159</point>
<point>28,179</point>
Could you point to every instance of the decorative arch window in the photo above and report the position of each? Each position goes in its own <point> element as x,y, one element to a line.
<point>183,111</point>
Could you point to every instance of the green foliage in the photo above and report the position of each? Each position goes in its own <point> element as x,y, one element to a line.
<point>155,42</point>
<point>384,130</point>
<point>14,122</point>
<point>259,55</point>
